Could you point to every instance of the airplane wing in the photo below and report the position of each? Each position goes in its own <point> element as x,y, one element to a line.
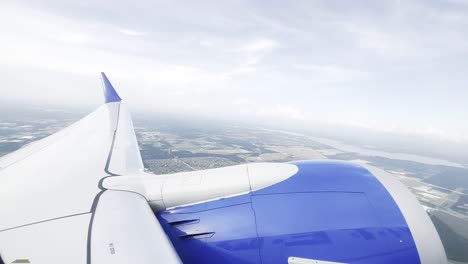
<point>54,208</point>
<point>81,196</point>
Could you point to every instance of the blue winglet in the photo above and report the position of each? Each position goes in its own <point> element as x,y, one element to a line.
<point>110,94</point>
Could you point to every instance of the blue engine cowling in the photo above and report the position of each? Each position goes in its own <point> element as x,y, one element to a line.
<point>328,211</point>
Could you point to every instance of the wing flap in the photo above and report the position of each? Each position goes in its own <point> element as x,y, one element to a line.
<point>59,241</point>
<point>125,230</point>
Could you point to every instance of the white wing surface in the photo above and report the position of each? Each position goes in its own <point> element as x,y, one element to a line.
<point>50,190</point>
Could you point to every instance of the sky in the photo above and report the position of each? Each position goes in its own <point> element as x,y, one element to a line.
<point>390,66</point>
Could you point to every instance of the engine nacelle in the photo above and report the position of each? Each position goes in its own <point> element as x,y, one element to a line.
<point>327,211</point>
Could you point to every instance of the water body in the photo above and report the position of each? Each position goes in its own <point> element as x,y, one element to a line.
<point>391,155</point>
<point>372,152</point>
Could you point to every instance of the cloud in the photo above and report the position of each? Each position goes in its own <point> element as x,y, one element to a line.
<point>331,73</point>
<point>254,51</point>
<point>132,33</point>
<point>281,112</point>
<point>422,131</point>
<point>206,43</point>
<point>403,63</point>
<point>78,38</point>
<point>260,45</point>
<point>239,71</point>
<point>276,25</point>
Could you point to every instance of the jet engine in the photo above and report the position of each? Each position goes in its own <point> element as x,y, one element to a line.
<point>325,212</point>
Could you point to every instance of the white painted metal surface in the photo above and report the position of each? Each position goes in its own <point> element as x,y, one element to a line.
<point>52,242</point>
<point>425,235</point>
<point>125,230</point>
<point>58,176</point>
<point>262,175</point>
<point>49,189</point>
<point>126,158</point>
<point>295,260</point>
<point>166,191</point>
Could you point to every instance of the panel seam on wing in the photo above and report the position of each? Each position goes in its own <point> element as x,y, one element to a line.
<point>44,221</point>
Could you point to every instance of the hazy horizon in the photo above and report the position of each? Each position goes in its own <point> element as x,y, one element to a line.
<point>363,138</point>
<point>388,68</point>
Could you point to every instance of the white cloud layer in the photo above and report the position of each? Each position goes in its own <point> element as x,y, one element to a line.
<point>402,63</point>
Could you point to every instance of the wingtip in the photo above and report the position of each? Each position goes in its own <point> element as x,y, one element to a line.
<point>110,95</point>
